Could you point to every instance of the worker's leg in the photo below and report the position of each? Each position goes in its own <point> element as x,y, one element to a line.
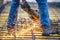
<point>44,16</point>
<point>12,18</point>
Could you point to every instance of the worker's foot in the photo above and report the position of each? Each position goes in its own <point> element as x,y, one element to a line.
<point>10,29</point>
<point>48,31</point>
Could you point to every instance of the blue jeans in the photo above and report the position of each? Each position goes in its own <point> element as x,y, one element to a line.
<point>43,8</point>
<point>44,15</point>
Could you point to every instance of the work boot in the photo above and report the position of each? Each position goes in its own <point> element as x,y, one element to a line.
<point>10,28</point>
<point>58,29</point>
<point>47,31</point>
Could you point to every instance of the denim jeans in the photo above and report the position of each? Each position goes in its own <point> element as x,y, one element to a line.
<point>43,12</point>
